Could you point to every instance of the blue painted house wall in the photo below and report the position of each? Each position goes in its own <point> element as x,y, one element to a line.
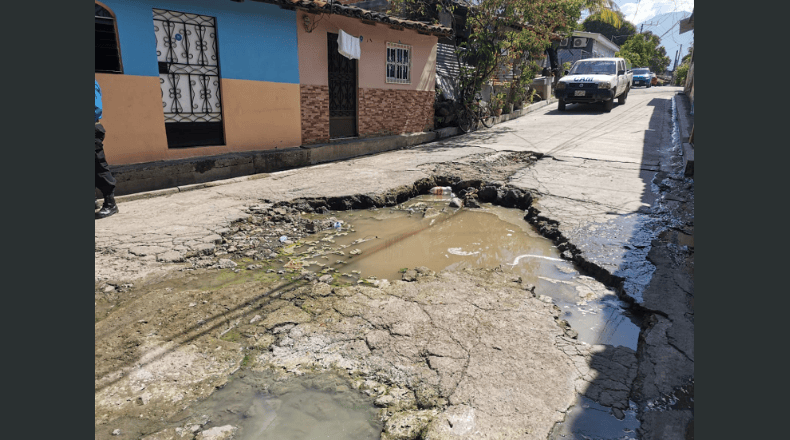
<point>257,41</point>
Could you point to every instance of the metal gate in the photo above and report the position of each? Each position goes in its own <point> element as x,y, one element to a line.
<point>189,76</point>
<point>342,92</point>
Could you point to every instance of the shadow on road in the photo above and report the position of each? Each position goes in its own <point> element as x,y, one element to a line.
<point>647,394</point>
<point>589,109</point>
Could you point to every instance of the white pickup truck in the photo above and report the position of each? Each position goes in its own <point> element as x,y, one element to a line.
<point>595,80</point>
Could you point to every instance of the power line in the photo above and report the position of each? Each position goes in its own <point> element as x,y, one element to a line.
<point>636,11</point>
<point>673,27</point>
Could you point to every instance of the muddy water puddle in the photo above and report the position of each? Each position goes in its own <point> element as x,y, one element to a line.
<point>589,420</point>
<point>262,406</point>
<point>380,243</point>
<point>370,246</point>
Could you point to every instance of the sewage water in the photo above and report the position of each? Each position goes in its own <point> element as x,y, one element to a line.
<point>378,244</point>
<point>309,407</point>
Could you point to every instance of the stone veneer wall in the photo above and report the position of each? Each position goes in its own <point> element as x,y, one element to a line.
<point>385,112</point>
<point>382,112</point>
<point>315,114</point>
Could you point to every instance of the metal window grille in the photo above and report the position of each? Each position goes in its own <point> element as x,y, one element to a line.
<point>107,55</point>
<point>398,63</point>
<point>189,76</point>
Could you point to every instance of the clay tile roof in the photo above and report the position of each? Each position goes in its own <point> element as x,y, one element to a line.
<point>319,6</point>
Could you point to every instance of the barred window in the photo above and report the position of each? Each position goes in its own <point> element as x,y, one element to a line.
<point>107,53</point>
<point>398,63</point>
<point>189,77</point>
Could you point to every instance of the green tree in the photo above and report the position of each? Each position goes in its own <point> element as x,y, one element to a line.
<point>606,10</point>
<point>618,35</point>
<point>422,10</point>
<point>502,35</point>
<point>512,35</point>
<point>643,50</point>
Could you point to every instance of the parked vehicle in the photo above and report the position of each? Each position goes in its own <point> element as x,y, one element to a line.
<point>595,80</point>
<point>644,77</point>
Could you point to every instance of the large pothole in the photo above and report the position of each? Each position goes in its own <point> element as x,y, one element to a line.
<point>469,348</point>
<point>382,244</point>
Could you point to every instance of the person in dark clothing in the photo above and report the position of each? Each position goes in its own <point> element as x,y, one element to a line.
<point>105,181</point>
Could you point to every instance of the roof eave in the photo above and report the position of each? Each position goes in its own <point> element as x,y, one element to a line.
<point>322,7</point>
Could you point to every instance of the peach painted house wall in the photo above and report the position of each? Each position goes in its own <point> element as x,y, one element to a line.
<point>382,108</point>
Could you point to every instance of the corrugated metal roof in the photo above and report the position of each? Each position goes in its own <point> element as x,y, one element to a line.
<point>318,6</point>
<point>446,61</point>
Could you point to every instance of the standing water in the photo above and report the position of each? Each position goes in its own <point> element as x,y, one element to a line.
<point>309,407</point>
<point>378,244</point>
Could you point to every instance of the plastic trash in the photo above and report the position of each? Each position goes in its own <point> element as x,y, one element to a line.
<point>440,190</point>
<point>337,225</point>
<point>283,239</point>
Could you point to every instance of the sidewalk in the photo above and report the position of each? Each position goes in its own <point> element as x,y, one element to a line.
<point>162,178</point>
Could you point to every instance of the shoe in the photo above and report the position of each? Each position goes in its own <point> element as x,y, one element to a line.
<point>109,208</point>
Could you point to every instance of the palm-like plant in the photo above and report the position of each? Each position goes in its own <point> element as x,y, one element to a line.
<point>607,9</point>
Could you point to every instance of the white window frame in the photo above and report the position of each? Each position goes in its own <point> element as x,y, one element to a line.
<point>399,77</point>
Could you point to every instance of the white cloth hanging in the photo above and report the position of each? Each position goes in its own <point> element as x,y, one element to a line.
<point>348,45</point>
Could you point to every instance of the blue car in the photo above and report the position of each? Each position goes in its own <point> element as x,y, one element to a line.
<point>643,77</point>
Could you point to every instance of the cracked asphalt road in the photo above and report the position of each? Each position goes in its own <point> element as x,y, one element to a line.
<point>595,179</point>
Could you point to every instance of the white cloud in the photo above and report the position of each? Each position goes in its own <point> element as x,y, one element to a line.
<point>644,10</point>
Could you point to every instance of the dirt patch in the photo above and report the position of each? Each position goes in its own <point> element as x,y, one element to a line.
<point>464,352</point>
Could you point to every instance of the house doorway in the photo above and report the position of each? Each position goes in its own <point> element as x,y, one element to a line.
<point>342,92</point>
<point>189,77</point>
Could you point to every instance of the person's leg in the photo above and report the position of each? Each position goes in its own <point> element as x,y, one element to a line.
<point>104,178</point>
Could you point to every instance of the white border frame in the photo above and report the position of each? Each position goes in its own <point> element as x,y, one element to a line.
<point>387,63</point>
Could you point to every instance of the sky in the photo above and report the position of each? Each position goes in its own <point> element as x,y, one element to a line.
<point>646,12</point>
<point>641,11</point>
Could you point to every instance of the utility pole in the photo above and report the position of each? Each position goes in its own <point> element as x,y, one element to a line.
<point>677,56</point>
<point>642,28</point>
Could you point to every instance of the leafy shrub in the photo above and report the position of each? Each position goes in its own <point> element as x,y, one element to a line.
<point>680,75</point>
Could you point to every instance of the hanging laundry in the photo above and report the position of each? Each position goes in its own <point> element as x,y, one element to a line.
<point>348,45</point>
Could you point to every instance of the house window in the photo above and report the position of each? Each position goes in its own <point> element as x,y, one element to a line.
<point>398,63</point>
<point>108,55</point>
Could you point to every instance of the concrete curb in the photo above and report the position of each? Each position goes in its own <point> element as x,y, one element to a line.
<point>313,155</point>
<point>518,113</point>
